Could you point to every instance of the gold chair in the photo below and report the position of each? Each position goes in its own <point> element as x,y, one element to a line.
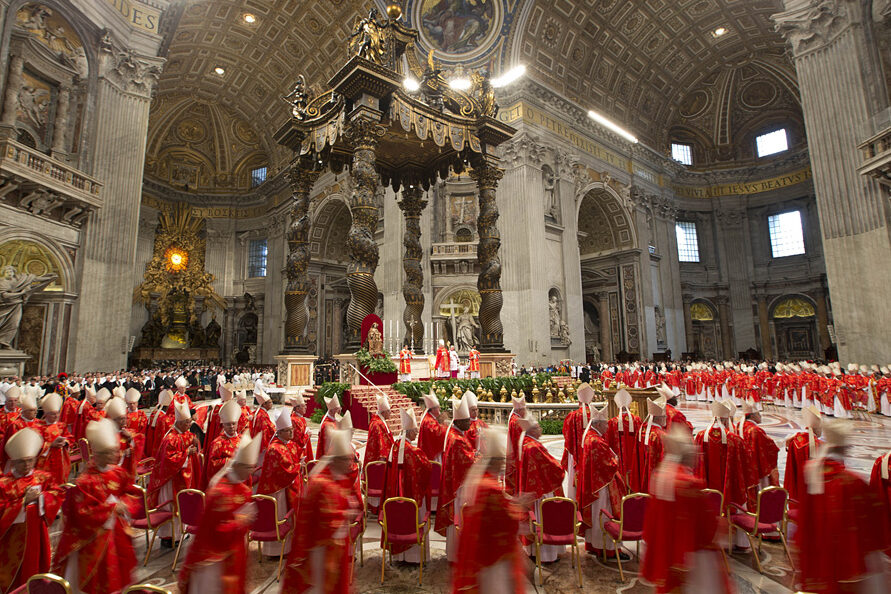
<point>268,528</point>
<point>771,515</point>
<point>151,520</point>
<point>48,583</point>
<point>397,529</point>
<point>560,523</point>
<point>145,589</point>
<point>629,527</point>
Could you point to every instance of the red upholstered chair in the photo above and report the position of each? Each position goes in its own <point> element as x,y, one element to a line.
<point>560,523</point>
<point>75,458</point>
<point>401,525</point>
<point>189,509</point>
<point>143,469</point>
<point>145,589</point>
<point>435,480</point>
<point>375,474</point>
<point>268,528</point>
<point>769,518</point>
<point>715,500</point>
<point>47,583</point>
<point>84,447</point>
<point>151,520</point>
<point>629,528</point>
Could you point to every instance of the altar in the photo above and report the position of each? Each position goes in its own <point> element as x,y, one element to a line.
<point>421,367</point>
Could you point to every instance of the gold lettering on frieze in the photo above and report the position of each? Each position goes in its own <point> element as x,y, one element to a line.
<point>137,14</point>
<point>741,189</point>
<point>209,212</point>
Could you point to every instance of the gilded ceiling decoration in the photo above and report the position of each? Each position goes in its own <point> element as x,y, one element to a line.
<point>794,307</point>
<point>604,224</point>
<point>202,145</point>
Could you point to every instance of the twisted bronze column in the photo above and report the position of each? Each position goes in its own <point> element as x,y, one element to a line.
<point>489,281</point>
<point>302,180</point>
<point>364,135</point>
<point>412,204</point>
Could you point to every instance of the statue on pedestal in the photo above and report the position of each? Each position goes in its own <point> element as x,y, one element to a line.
<point>15,290</point>
<point>466,330</point>
<point>375,340</point>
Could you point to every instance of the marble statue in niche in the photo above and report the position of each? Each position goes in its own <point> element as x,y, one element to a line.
<point>554,315</point>
<point>552,200</point>
<point>660,325</point>
<point>15,290</point>
<point>467,327</point>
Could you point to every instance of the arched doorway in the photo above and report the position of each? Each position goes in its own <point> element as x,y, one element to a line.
<point>329,296</point>
<point>610,272</point>
<point>706,330</point>
<point>794,324</point>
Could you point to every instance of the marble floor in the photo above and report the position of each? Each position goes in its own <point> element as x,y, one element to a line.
<point>870,438</point>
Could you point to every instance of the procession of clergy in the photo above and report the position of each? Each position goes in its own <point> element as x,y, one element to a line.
<point>489,485</point>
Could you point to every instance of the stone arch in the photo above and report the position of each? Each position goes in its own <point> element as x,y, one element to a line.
<point>38,255</point>
<point>330,225</point>
<point>706,336</point>
<point>605,225</point>
<point>792,320</point>
<point>797,302</point>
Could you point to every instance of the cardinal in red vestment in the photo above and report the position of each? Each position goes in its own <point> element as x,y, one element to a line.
<point>762,450</point>
<point>514,431</point>
<point>227,391</point>
<point>724,462</point>
<point>329,421</point>
<point>405,364</point>
<point>408,475</point>
<point>136,423</point>
<point>601,485</point>
<point>29,501</point>
<point>621,436</point>
<point>217,558</point>
<point>380,439</point>
<point>800,448</point>
<point>880,483</point>
<point>473,362</point>
<point>649,446</point>
<point>55,457</point>
<point>431,436</point>
<point>681,525</point>
<point>540,476</point>
<point>489,557</point>
<point>223,446</point>
<point>456,461</point>
<point>159,422</point>
<point>477,425</point>
<point>95,552</point>
<point>441,368</point>
<point>27,418</point>
<point>180,395</point>
<point>573,427</point>
<point>177,465</point>
<point>70,404</point>
<point>302,435</point>
<point>320,556</point>
<point>839,538</point>
<point>131,445</point>
<point>261,423</point>
<point>281,475</point>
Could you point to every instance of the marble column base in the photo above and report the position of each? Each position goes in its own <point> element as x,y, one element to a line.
<point>12,362</point>
<point>298,369</point>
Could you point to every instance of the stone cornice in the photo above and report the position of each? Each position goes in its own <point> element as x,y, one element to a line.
<point>809,25</point>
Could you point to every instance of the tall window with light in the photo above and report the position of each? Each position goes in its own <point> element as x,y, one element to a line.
<point>786,234</point>
<point>688,242</point>
<point>258,176</point>
<point>772,143</point>
<point>682,153</point>
<point>257,252</point>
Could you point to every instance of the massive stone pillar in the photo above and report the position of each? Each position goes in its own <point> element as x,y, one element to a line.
<point>822,320</point>
<point>726,328</point>
<point>413,286</point>
<point>606,327</point>
<point>488,283</point>
<point>764,324</point>
<point>302,180</point>
<point>60,123</point>
<point>126,82</point>
<point>364,135</point>
<point>688,322</point>
<point>840,78</point>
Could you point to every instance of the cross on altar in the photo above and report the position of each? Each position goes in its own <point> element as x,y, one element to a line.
<point>452,307</point>
<point>411,324</point>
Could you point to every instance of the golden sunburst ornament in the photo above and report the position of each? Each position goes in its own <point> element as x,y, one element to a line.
<point>176,259</point>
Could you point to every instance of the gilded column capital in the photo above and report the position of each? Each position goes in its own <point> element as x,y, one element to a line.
<point>486,177</point>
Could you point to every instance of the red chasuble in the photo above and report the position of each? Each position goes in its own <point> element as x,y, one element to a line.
<point>675,416</point>
<point>220,538</point>
<point>798,452</point>
<point>262,425</point>
<point>137,423</point>
<point>725,467</point>
<point>473,434</point>
<point>25,546</point>
<point>623,441</point>
<point>158,426</point>
<point>327,527</point>
<point>678,523</point>
<point>763,454</point>
<point>442,360</point>
<point>55,460</point>
<point>598,468</point>
<point>15,425</point>
<point>410,479</point>
<point>214,429</point>
<point>302,437</point>
<point>173,464</point>
<point>489,537</point>
<point>281,470</point>
<point>430,436</point>
<point>511,469</point>
<point>220,451</point>
<point>327,423</point>
<point>882,489</point>
<point>68,413</point>
<point>87,414</point>
<point>456,461</point>
<point>105,557</point>
<point>837,530</point>
<point>380,440</point>
<point>648,457</point>
<point>131,451</point>
<point>540,472</point>
<point>573,426</point>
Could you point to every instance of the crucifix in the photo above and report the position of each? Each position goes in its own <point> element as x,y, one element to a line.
<point>411,325</point>
<point>452,307</point>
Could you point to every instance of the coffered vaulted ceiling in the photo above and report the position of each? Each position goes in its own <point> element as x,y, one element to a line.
<point>636,61</point>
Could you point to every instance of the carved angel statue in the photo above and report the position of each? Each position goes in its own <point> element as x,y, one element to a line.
<point>367,38</point>
<point>483,92</point>
<point>15,289</point>
<point>298,98</point>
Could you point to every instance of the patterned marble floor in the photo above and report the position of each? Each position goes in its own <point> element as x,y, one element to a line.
<point>870,438</point>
